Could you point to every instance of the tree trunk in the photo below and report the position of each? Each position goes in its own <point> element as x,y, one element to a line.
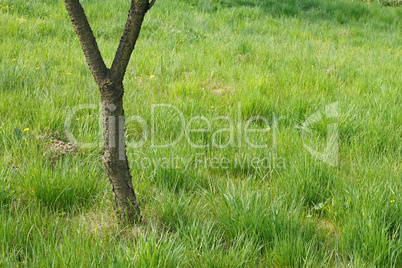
<point>114,158</point>
<point>110,83</point>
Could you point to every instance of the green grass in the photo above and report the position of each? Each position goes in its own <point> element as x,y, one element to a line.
<point>209,206</point>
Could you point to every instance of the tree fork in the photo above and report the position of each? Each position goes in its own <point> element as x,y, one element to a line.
<point>110,83</point>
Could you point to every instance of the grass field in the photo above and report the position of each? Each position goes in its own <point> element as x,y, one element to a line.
<point>321,75</point>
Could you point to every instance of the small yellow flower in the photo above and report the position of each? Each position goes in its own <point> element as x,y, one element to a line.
<point>49,41</point>
<point>176,167</point>
<point>312,66</point>
<point>152,76</point>
<point>268,128</point>
<point>77,119</point>
<point>309,216</point>
<point>37,68</point>
<point>392,201</point>
<point>67,73</point>
<point>14,59</point>
<point>24,66</point>
<point>212,107</point>
<point>26,129</point>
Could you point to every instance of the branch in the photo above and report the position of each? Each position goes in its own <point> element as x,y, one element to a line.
<point>151,4</point>
<point>87,40</point>
<point>129,38</point>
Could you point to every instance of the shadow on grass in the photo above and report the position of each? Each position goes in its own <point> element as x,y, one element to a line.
<point>314,10</point>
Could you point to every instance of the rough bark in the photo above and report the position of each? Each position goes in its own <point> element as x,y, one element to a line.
<point>110,83</point>
<point>114,158</point>
<point>87,40</point>
<point>129,38</point>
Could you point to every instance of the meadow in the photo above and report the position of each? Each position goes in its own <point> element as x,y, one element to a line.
<point>284,118</point>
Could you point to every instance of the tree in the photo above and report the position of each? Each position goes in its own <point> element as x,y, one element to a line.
<point>110,83</point>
